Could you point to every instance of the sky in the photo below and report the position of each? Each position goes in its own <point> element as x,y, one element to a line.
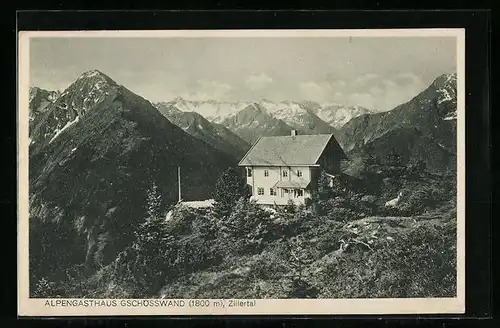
<point>375,72</point>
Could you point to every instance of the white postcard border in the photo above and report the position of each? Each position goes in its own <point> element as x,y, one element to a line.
<point>46,307</point>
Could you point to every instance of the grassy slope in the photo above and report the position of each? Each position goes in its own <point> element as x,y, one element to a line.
<point>297,257</point>
<point>399,262</point>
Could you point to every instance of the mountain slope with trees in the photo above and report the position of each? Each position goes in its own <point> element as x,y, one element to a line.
<point>423,129</point>
<point>93,156</point>
<point>38,102</point>
<point>345,244</point>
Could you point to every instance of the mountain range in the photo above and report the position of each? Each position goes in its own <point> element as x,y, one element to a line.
<point>250,120</point>
<point>338,115</point>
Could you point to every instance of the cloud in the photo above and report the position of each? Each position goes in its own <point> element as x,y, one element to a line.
<point>389,84</point>
<point>334,81</point>
<point>256,82</point>
<point>407,78</point>
<point>376,90</point>
<point>340,83</point>
<point>383,92</point>
<point>209,89</point>
<point>316,91</point>
<point>399,90</point>
<point>365,79</point>
<point>367,100</point>
<point>369,90</point>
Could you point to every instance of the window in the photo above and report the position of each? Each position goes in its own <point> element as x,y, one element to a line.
<point>300,192</point>
<point>272,192</point>
<point>299,173</point>
<point>266,173</point>
<point>249,172</point>
<point>260,191</point>
<point>285,173</point>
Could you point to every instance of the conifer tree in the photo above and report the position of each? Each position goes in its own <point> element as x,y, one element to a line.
<point>152,229</point>
<point>230,187</point>
<point>299,257</point>
<point>322,192</point>
<point>146,263</point>
<point>323,189</point>
<point>245,227</point>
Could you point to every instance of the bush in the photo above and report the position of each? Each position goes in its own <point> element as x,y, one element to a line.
<point>271,264</point>
<point>423,197</point>
<point>246,229</point>
<point>204,226</point>
<point>284,226</point>
<point>194,254</point>
<point>44,289</point>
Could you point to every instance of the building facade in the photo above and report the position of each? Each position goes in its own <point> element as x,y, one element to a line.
<point>283,168</point>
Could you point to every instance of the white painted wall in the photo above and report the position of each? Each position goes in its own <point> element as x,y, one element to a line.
<point>275,174</point>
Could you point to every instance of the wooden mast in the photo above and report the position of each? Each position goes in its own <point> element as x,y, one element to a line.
<point>179,181</point>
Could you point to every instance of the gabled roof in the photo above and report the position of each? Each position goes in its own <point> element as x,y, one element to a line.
<point>287,150</point>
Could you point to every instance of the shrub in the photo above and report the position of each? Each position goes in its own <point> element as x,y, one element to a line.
<point>181,219</point>
<point>270,264</point>
<point>290,207</point>
<point>422,197</point>
<point>204,226</point>
<point>246,228</point>
<point>44,289</point>
<point>194,254</point>
<point>340,209</point>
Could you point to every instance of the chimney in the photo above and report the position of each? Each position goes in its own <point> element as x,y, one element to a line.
<point>293,133</point>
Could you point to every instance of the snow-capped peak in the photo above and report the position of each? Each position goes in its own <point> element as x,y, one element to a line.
<point>288,111</point>
<point>91,73</point>
<point>292,112</point>
<point>86,94</point>
<point>446,88</point>
<point>94,78</point>
<point>338,115</point>
<point>213,110</point>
